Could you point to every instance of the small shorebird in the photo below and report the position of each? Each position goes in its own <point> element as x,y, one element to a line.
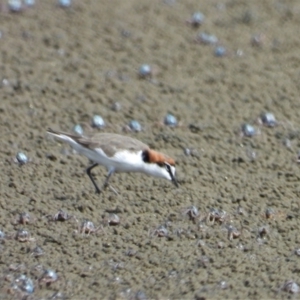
<point>119,153</point>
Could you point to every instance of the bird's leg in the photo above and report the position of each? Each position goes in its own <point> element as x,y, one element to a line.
<point>88,171</point>
<point>110,172</point>
<point>105,184</point>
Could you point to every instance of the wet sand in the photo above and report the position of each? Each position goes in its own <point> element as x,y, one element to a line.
<point>60,67</point>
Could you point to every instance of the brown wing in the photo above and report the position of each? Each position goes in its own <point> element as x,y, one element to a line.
<point>108,142</point>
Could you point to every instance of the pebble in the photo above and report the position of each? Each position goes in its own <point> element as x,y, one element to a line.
<point>145,71</point>
<point>49,276</point>
<point>140,295</point>
<point>64,3</point>
<point>37,251</point>
<point>135,126</point>
<point>257,40</point>
<point>21,158</point>
<point>268,119</point>
<point>248,130</point>
<point>223,285</point>
<point>197,19</point>
<point>15,5</point>
<point>187,151</point>
<point>98,122</point>
<point>29,3</point>
<point>220,51</point>
<point>170,120</point>
<point>25,284</point>
<point>291,287</point>
<point>78,129</point>
<point>116,106</point>
<point>207,39</point>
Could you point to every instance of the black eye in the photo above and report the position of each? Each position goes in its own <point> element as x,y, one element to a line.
<point>168,167</point>
<point>145,156</point>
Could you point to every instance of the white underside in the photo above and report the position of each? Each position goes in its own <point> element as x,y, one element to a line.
<point>121,161</point>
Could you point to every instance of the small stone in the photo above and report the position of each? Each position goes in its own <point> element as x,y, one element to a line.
<point>140,295</point>
<point>15,5</point>
<point>145,71</point>
<point>78,129</point>
<point>2,235</point>
<point>291,287</point>
<point>223,285</point>
<point>197,19</point>
<point>187,151</point>
<point>64,3</point>
<point>135,126</point>
<point>170,120</point>
<point>49,276</point>
<point>248,130</point>
<point>21,158</point>
<point>29,3</point>
<point>116,106</point>
<point>220,51</point>
<point>268,119</point>
<point>37,251</point>
<point>25,284</point>
<point>207,39</point>
<point>98,122</point>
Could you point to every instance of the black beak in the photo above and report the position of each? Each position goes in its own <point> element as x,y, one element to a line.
<point>173,178</point>
<point>175,181</point>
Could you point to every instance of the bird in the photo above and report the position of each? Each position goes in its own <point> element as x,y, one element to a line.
<point>118,153</point>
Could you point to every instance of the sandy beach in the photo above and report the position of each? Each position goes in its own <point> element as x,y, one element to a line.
<point>62,66</point>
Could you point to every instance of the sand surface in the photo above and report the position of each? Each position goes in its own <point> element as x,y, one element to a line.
<point>60,67</point>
